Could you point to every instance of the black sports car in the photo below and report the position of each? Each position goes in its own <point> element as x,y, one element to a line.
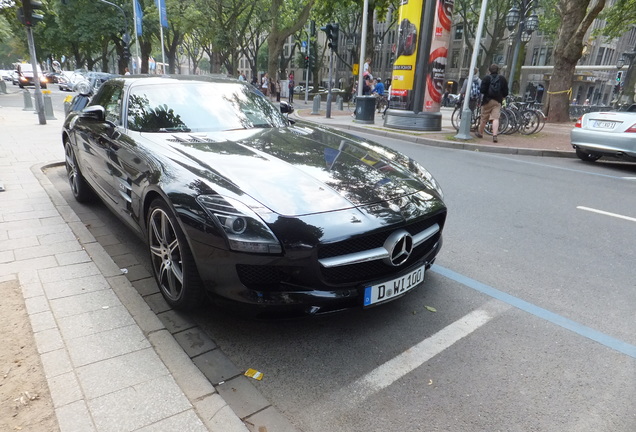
<point>237,201</point>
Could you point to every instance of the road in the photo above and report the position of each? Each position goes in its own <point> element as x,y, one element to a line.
<point>525,323</point>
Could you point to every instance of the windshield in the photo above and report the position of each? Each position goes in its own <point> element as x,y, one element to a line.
<point>186,106</point>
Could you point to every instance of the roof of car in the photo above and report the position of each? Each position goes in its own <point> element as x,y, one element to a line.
<point>164,78</point>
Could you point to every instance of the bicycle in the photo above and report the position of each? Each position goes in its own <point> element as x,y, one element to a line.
<point>456,116</point>
<point>381,103</point>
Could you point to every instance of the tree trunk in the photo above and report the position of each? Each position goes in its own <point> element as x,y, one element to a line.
<point>576,18</point>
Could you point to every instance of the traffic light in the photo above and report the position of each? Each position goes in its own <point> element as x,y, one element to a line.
<point>619,76</point>
<point>306,62</point>
<point>332,35</point>
<point>28,13</point>
<point>335,29</point>
<point>126,53</point>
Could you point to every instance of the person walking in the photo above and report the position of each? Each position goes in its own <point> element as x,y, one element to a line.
<point>475,90</point>
<point>494,88</point>
<point>291,86</point>
<point>265,84</point>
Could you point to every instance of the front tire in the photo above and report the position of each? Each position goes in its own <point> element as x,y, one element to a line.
<point>587,156</point>
<point>172,262</point>
<point>80,188</point>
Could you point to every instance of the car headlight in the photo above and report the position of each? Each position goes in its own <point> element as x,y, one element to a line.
<point>245,230</point>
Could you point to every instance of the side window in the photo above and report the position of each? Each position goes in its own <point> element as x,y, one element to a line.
<point>109,96</point>
<point>113,107</point>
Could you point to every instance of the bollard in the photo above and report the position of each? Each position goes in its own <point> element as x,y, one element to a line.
<point>68,103</point>
<point>339,101</point>
<point>28,102</point>
<point>315,110</point>
<point>3,86</point>
<point>48,105</point>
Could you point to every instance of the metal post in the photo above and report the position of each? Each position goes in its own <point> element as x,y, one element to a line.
<point>39,103</point>
<point>515,55</point>
<point>363,46</point>
<point>464,125</point>
<point>309,63</point>
<point>329,86</point>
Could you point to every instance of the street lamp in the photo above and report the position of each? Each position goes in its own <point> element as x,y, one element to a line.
<point>527,25</point>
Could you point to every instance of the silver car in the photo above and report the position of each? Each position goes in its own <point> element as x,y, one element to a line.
<point>610,133</point>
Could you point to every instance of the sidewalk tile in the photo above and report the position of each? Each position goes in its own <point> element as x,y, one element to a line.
<point>75,286</point>
<point>67,306</point>
<point>48,340</point>
<point>186,421</point>
<point>111,375</point>
<point>75,418</point>
<point>94,322</point>
<point>65,389</point>
<point>105,345</point>
<point>138,406</point>
<point>73,271</point>
<point>56,363</point>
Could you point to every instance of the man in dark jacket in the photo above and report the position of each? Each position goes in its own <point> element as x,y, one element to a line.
<point>491,101</point>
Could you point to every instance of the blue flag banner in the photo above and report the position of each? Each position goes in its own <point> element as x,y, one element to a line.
<point>161,5</point>
<point>139,16</point>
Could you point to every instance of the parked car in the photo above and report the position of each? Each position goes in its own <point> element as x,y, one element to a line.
<point>52,77</point>
<point>68,80</point>
<point>236,200</point>
<point>605,133</point>
<point>26,75</point>
<point>6,75</point>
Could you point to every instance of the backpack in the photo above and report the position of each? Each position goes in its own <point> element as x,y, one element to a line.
<point>475,92</point>
<point>494,89</point>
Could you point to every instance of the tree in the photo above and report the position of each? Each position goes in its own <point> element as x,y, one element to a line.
<point>576,18</point>
<point>618,18</point>
<point>287,17</point>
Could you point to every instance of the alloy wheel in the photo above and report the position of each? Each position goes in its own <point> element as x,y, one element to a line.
<point>165,253</point>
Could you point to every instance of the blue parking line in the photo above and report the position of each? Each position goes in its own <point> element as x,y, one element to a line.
<point>590,333</point>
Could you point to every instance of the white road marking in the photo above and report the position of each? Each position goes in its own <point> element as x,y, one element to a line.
<point>386,374</point>
<point>607,213</point>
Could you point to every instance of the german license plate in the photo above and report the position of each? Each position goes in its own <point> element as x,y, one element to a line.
<point>599,124</point>
<point>384,291</point>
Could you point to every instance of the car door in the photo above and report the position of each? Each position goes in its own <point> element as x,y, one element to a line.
<point>95,141</point>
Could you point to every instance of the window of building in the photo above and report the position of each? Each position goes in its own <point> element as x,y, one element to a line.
<point>455,59</point>
<point>459,31</point>
<point>599,56</point>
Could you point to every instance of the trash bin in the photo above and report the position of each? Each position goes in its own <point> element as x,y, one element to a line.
<point>365,109</point>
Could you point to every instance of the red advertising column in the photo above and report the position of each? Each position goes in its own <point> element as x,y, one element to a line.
<point>419,69</point>
<point>403,78</point>
<point>435,78</point>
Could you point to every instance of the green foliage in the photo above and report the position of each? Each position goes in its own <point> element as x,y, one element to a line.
<point>618,17</point>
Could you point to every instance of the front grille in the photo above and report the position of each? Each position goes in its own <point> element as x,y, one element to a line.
<point>371,241</point>
<point>375,269</point>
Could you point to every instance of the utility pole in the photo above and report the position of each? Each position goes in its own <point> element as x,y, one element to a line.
<point>39,100</point>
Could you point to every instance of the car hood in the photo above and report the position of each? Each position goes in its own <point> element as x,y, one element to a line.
<point>301,169</point>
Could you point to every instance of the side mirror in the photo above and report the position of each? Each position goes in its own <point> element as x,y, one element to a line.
<point>94,112</point>
<point>286,107</point>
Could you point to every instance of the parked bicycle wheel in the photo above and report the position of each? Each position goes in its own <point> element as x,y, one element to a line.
<point>456,117</point>
<point>503,124</point>
<point>530,122</point>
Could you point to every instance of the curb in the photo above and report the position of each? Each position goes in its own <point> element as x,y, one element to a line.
<point>442,143</point>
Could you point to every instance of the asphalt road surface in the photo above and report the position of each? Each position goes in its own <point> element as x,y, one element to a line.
<point>527,321</point>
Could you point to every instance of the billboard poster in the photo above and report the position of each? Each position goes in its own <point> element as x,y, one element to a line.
<point>403,77</point>
<point>438,57</point>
